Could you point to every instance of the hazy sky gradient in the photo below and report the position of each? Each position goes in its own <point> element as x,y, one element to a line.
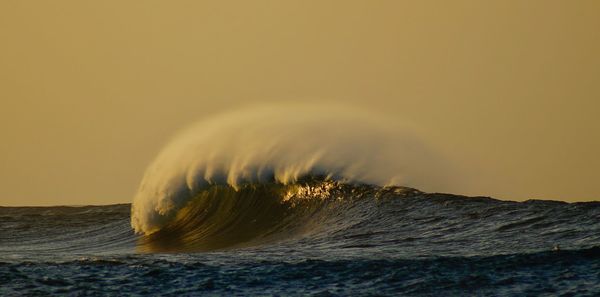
<point>91,90</point>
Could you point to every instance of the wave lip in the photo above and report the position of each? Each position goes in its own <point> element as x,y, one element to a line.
<point>280,145</point>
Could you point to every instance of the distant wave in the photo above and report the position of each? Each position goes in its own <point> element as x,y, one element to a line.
<point>266,148</point>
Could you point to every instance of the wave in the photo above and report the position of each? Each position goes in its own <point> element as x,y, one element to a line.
<point>222,216</point>
<point>237,167</point>
<point>36,231</point>
<point>315,214</point>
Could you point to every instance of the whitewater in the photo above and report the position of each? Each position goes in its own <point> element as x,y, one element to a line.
<point>301,200</point>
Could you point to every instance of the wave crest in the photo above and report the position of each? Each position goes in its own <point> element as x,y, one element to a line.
<point>280,145</point>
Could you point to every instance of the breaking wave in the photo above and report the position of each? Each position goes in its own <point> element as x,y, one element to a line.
<point>226,171</point>
<point>253,214</point>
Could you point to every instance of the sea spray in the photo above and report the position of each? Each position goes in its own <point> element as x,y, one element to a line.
<point>282,143</point>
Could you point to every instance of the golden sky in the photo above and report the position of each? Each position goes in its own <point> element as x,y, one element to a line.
<point>91,90</point>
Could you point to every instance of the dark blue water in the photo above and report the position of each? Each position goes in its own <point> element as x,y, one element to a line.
<point>359,241</point>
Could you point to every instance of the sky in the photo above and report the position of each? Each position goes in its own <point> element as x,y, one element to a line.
<point>507,91</point>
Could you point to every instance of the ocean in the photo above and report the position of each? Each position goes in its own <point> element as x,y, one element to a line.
<point>312,237</point>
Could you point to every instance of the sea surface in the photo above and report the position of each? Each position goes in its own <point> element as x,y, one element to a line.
<point>312,238</point>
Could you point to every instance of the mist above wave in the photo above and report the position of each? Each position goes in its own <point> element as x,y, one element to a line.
<point>281,144</point>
